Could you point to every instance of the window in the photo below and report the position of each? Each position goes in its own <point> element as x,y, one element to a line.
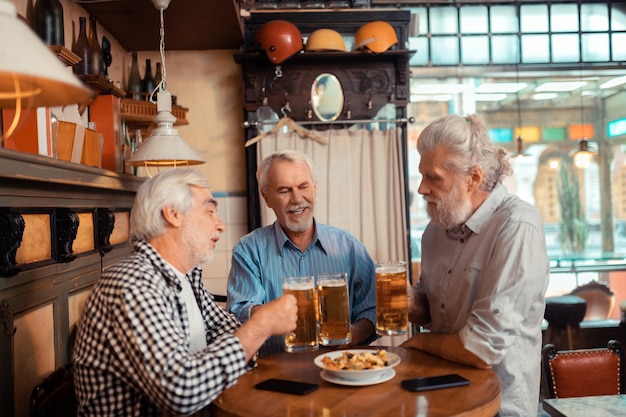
<point>567,60</point>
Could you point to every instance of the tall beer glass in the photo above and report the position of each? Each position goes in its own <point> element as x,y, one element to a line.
<point>392,313</point>
<point>334,309</point>
<point>305,336</point>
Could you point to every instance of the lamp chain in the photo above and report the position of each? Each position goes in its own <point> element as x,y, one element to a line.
<point>162,51</point>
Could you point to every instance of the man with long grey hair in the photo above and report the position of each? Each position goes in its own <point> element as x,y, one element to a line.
<point>485,268</point>
<point>152,341</point>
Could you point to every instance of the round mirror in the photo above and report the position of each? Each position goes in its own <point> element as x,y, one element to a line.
<point>327,97</point>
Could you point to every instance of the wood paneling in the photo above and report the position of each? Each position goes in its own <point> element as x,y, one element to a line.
<point>39,304</point>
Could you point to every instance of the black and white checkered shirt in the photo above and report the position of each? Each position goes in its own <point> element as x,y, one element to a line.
<point>132,355</point>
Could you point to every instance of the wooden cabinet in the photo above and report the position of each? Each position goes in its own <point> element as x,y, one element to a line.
<point>61,223</point>
<point>369,82</point>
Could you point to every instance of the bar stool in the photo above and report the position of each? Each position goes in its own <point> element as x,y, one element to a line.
<point>564,313</point>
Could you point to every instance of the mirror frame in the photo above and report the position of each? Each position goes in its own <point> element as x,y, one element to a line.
<point>326,97</point>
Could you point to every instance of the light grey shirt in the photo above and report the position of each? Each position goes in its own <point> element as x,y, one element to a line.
<point>488,282</point>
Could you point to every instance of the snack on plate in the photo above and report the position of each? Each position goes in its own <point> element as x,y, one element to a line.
<point>353,361</point>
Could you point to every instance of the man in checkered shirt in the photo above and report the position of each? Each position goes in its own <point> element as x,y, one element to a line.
<point>152,340</point>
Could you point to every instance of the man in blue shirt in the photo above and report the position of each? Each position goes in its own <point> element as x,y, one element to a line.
<point>297,245</point>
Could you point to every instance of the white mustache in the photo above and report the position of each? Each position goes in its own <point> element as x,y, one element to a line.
<point>298,208</point>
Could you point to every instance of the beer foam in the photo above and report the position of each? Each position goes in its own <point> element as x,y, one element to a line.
<point>299,286</point>
<point>390,269</point>
<point>333,283</point>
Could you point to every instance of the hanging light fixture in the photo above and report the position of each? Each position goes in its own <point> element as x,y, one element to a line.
<point>30,74</point>
<point>583,156</point>
<point>164,147</point>
<point>519,152</point>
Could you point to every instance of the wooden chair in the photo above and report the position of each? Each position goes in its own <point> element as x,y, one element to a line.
<point>600,300</point>
<point>54,396</point>
<point>583,372</point>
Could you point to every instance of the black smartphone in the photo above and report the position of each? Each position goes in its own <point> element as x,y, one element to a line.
<point>287,387</point>
<point>434,382</point>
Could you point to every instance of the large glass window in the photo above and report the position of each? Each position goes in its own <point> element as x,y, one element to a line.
<point>553,73</point>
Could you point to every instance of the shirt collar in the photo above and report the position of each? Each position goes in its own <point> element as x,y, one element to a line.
<point>484,212</point>
<point>169,274</point>
<point>318,238</point>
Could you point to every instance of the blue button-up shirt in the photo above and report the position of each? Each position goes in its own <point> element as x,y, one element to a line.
<point>262,258</point>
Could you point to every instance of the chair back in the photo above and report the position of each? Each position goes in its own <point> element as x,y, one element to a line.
<point>54,396</point>
<point>600,300</point>
<point>583,372</point>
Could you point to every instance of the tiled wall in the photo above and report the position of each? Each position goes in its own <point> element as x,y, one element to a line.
<point>232,208</point>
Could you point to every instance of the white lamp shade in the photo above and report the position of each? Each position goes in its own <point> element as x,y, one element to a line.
<point>164,146</point>
<point>165,150</point>
<point>29,69</point>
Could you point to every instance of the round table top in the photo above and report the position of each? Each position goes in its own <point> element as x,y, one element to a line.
<point>480,398</point>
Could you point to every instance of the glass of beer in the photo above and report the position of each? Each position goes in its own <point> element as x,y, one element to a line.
<point>392,313</point>
<point>332,290</point>
<point>305,336</point>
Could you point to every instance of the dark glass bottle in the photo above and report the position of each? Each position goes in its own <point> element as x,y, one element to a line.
<point>133,87</point>
<point>97,63</point>
<point>147,84</point>
<point>48,21</point>
<point>158,75</point>
<point>82,48</point>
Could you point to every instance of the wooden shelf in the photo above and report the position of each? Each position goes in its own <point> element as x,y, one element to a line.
<point>68,57</point>
<point>143,112</point>
<point>101,84</point>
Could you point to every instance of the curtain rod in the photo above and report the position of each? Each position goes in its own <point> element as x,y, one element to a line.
<point>351,121</point>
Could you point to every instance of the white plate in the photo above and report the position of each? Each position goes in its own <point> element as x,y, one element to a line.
<point>355,375</point>
<point>384,377</point>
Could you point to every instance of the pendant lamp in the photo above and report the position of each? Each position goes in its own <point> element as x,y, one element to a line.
<point>520,152</point>
<point>164,147</point>
<point>583,156</point>
<point>30,74</point>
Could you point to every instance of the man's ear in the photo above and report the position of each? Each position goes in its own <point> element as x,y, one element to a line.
<point>267,200</point>
<point>171,215</point>
<point>476,178</point>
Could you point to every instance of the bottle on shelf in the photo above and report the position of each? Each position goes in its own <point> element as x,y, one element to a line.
<point>48,22</point>
<point>147,84</point>
<point>158,76</point>
<point>82,49</point>
<point>133,87</point>
<point>97,62</point>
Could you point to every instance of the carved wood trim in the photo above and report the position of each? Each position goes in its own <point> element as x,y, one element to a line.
<point>368,82</point>
<point>106,223</point>
<point>65,227</point>
<point>11,232</point>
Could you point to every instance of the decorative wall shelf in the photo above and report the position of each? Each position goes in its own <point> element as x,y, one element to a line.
<point>101,84</point>
<point>68,57</point>
<point>143,112</point>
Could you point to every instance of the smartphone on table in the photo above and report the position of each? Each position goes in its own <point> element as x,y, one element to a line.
<point>434,382</point>
<point>286,386</point>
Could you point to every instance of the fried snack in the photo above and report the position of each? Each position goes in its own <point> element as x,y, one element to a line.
<point>353,361</point>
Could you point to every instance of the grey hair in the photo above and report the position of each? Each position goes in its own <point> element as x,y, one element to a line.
<point>171,188</point>
<point>468,140</point>
<point>287,155</point>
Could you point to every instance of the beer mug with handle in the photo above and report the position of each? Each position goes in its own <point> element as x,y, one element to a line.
<point>332,290</point>
<point>392,313</point>
<point>305,336</point>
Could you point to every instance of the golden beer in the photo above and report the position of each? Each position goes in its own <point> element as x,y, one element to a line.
<point>334,309</point>
<point>392,313</point>
<point>305,336</point>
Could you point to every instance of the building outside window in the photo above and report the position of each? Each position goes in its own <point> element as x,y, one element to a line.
<point>554,75</point>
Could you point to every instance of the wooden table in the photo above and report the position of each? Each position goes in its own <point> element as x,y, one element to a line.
<point>596,406</point>
<point>480,398</point>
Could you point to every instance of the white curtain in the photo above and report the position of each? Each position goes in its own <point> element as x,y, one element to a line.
<point>360,185</point>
